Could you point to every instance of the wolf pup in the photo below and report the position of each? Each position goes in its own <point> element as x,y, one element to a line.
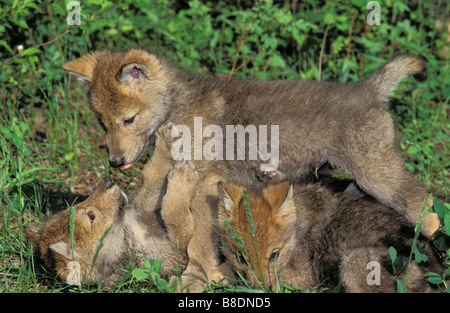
<point>106,219</point>
<point>133,93</point>
<point>305,234</point>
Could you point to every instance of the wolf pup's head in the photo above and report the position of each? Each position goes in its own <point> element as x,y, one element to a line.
<point>69,241</point>
<point>258,246</point>
<point>127,95</point>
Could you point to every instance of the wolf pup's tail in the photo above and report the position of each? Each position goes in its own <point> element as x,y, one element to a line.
<point>385,79</point>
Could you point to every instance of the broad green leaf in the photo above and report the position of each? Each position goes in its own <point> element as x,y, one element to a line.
<point>161,284</point>
<point>140,273</point>
<point>5,44</point>
<point>397,264</point>
<point>30,51</point>
<point>437,280</point>
<point>439,208</point>
<point>419,256</point>
<point>277,61</point>
<point>69,156</point>
<point>441,243</point>
<point>447,223</point>
<point>156,265</point>
<point>20,23</point>
<point>393,254</point>
<point>413,150</point>
<point>58,9</point>
<point>447,273</point>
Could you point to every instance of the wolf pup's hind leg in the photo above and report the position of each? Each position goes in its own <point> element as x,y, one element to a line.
<point>370,154</point>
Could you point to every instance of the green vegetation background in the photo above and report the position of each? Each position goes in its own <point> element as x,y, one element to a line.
<point>51,148</point>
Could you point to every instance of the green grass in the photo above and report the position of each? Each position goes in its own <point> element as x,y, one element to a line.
<point>51,147</point>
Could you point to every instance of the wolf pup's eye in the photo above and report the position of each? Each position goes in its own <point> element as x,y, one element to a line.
<point>129,121</point>
<point>91,216</point>
<point>274,255</point>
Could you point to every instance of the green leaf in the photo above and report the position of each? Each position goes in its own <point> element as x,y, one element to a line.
<point>30,51</point>
<point>447,273</point>
<point>419,256</point>
<point>33,60</point>
<point>410,167</point>
<point>161,284</point>
<point>58,9</point>
<point>69,156</point>
<point>158,281</point>
<point>434,278</point>
<point>5,44</point>
<point>397,263</point>
<point>413,150</point>
<point>140,273</point>
<point>447,224</point>
<point>20,23</point>
<point>439,208</point>
<point>393,254</point>
<point>277,61</point>
<point>440,242</point>
<point>270,42</point>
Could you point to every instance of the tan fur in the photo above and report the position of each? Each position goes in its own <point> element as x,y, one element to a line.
<point>134,93</point>
<point>314,235</point>
<point>139,227</point>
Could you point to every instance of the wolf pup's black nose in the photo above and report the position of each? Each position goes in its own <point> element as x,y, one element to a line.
<point>116,162</point>
<point>108,182</point>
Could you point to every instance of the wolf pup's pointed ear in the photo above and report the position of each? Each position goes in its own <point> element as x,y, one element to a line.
<point>82,68</point>
<point>277,194</point>
<point>287,208</point>
<point>63,249</point>
<point>280,197</point>
<point>229,197</point>
<point>133,73</point>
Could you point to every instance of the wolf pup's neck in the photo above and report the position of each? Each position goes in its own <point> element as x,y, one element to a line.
<point>182,86</point>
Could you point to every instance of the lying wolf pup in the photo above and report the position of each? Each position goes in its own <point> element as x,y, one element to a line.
<point>105,217</point>
<point>304,234</point>
<point>134,93</point>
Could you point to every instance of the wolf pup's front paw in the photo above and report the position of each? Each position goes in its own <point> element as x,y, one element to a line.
<point>182,176</point>
<point>176,210</point>
<point>165,138</point>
